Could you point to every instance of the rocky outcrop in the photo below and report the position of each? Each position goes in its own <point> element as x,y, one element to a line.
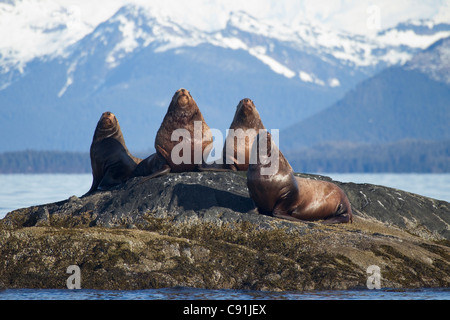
<point>194,229</point>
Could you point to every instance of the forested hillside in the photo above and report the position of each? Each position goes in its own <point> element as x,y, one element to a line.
<point>400,157</point>
<point>403,156</point>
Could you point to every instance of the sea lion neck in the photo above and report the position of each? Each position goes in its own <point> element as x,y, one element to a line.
<point>268,155</point>
<point>250,120</point>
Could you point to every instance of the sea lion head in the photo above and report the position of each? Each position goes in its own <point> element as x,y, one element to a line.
<point>107,126</point>
<point>246,116</point>
<point>246,107</point>
<point>182,98</point>
<point>107,120</point>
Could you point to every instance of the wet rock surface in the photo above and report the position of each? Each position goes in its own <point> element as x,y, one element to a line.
<point>194,229</point>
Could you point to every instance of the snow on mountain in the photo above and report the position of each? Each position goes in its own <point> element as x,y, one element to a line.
<point>399,103</point>
<point>434,61</point>
<point>132,62</point>
<point>52,35</point>
<point>415,34</point>
<point>140,28</point>
<point>36,29</point>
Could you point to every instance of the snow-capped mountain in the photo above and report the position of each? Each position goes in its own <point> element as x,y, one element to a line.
<point>409,102</point>
<point>277,46</point>
<point>133,62</point>
<point>434,62</point>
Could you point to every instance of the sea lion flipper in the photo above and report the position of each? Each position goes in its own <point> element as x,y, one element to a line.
<point>109,180</point>
<point>150,165</point>
<point>254,210</point>
<point>165,170</point>
<point>344,218</point>
<point>214,167</point>
<point>278,213</point>
<point>343,214</point>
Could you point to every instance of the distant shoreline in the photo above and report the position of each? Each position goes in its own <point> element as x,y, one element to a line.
<point>408,156</point>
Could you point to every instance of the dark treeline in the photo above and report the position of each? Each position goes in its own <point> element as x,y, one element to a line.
<point>401,157</point>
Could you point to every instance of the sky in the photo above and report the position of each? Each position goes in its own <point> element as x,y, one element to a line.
<point>21,25</point>
<point>349,15</point>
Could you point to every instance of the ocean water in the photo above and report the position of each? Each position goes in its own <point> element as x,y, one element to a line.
<point>182,293</point>
<point>23,190</point>
<point>431,185</point>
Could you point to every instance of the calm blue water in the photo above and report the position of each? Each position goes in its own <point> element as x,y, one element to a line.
<point>22,190</point>
<point>202,294</point>
<point>431,185</point>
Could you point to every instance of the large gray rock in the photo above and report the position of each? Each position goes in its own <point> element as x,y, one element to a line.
<point>194,229</point>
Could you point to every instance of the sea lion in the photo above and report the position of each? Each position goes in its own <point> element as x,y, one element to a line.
<point>286,196</point>
<point>184,120</point>
<point>243,130</point>
<point>246,118</point>
<point>111,162</point>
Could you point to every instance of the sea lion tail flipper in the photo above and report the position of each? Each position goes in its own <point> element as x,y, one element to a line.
<point>254,210</point>
<point>165,170</point>
<point>343,214</point>
<point>278,213</point>
<point>215,167</point>
<point>156,174</point>
<point>345,218</point>
<point>346,208</point>
<point>108,182</point>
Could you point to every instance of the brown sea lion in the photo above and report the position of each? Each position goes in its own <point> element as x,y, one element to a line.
<point>286,196</point>
<point>193,139</point>
<point>243,130</point>
<point>246,118</point>
<point>111,162</point>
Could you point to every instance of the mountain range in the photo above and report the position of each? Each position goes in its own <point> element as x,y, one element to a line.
<point>132,63</point>
<point>401,102</point>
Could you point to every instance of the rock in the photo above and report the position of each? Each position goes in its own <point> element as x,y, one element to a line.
<point>194,229</point>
